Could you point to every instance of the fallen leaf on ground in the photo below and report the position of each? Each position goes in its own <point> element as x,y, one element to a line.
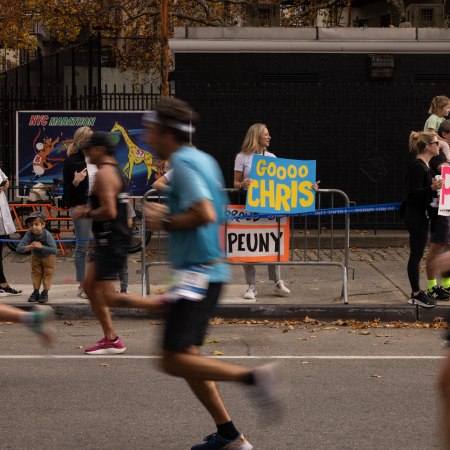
<point>376,376</point>
<point>211,341</point>
<point>216,321</point>
<point>339,322</point>
<point>68,323</point>
<point>309,320</point>
<point>216,353</point>
<point>365,332</point>
<point>104,365</point>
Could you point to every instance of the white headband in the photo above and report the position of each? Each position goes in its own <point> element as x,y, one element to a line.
<point>153,117</point>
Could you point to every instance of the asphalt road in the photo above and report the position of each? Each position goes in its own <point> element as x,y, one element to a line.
<point>343,389</point>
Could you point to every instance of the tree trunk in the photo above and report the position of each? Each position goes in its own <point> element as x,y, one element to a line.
<point>397,9</point>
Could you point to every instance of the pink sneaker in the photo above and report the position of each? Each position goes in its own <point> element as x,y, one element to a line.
<point>106,347</point>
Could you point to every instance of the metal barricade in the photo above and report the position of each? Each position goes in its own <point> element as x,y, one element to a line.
<point>314,254</point>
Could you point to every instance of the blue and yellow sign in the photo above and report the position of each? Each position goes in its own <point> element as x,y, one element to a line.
<point>281,186</point>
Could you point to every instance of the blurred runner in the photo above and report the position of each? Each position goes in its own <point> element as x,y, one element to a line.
<point>194,213</point>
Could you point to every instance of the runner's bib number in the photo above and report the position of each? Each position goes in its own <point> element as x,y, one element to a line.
<point>190,283</point>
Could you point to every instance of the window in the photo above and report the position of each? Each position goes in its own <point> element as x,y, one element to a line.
<point>426,14</point>
<point>264,15</point>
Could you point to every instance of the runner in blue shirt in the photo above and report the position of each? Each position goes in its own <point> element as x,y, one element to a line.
<point>193,217</point>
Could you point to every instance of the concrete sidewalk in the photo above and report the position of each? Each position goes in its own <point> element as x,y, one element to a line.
<point>378,286</point>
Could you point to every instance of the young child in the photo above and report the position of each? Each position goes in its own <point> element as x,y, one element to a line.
<point>439,110</point>
<point>42,245</point>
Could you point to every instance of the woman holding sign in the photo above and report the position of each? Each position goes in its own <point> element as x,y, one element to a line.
<point>421,188</point>
<point>256,141</point>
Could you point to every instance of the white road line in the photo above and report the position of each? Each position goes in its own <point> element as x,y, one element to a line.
<point>294,357</point>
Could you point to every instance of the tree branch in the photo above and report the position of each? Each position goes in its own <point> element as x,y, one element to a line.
<point>213,23</point>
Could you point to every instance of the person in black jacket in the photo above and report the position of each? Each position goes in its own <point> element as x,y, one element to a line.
<point>76,188</point>
<point>421,188</point>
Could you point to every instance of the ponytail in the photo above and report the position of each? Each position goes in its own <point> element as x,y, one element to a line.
<point>438,102</point>
<point>418,140</point>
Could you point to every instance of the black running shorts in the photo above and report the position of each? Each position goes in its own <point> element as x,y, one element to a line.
<point>109,260</point>
<point>187,321</point>
<point>440,229</point>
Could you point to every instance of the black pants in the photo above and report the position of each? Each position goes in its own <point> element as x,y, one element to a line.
<point>418,224</point>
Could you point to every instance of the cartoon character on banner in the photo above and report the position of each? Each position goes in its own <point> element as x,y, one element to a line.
<point>42,162</point>
<point>138,156</point>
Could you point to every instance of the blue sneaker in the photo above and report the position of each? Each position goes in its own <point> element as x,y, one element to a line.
<point>216,442</point>
<point>41,315</point>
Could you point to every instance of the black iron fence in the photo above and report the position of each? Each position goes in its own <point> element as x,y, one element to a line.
<point>72,79</point>
<point>357,132</point>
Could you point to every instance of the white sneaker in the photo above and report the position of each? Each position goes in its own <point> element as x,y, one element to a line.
<point>280,289</point>
<point>81,293</point>
<point>250,293</point>
<point>268,392</point>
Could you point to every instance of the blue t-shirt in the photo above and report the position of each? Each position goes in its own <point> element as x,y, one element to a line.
<point>196,176</point>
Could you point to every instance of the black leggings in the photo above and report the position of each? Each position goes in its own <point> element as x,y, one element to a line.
<point>418,225</point>
<point>2,275</point>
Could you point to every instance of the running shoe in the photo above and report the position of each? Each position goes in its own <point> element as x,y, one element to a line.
<point>438,293</point>
<point>446,290</point>
<point>9,291</point>
<point>268,393</point>
<point>280,289</point>
<point>216,442</point>
<point>250,293</point>
<point>41,315</point>
<point>106,347</point>
<point>422,300</point>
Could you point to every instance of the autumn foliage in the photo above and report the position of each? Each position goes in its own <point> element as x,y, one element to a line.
<point>134,25</point>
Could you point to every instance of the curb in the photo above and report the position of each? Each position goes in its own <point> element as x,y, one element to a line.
<point>384,313</point>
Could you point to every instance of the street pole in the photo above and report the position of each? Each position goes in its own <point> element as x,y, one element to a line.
<point>164,48</point>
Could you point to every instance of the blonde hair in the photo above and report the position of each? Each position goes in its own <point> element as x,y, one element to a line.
<point>80,135</point>
<point>438,102</point>
<point>251,140</point>
<point>418,140</point>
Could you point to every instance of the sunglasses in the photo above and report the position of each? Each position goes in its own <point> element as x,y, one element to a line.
<point>434,142</point>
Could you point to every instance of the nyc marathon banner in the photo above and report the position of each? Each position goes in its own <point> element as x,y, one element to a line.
<point>255,239</point>
<point>42,139</point>
<point>281,186</point>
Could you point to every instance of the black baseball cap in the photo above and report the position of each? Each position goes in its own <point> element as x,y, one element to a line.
<point>101,139</point>
<point>34,215</point>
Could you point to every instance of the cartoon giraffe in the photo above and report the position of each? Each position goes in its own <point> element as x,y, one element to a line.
<point>135,154</point>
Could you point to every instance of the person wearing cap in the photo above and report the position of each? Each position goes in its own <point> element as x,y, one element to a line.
<point>40,242</point>
<point>193,217</point>
<point>108,208</point>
